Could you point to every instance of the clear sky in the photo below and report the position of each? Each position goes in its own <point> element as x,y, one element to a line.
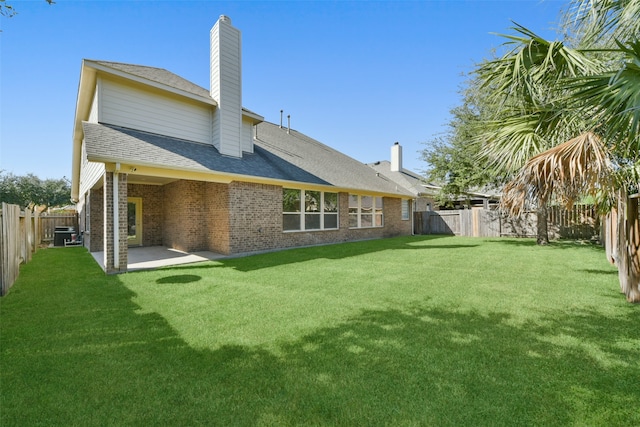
<point>357,75</point>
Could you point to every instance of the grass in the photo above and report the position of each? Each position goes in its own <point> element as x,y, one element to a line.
<point>405,331</point>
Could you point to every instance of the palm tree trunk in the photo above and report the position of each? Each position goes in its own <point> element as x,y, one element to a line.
<point>629,247</point>
<point>610,233</point>
<point>542,226</point>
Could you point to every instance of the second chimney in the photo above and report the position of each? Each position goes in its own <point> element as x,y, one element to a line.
<point>396,157</point>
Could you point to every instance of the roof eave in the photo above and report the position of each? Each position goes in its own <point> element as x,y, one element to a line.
<point>86,87</point>
<point>255,118</point>
<point>227,177</point>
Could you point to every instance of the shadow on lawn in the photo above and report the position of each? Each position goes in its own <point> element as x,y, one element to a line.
<point>340,251</point>
<point>102,361</point>
<point>554,244</point>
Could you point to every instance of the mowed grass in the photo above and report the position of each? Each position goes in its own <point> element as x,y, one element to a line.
<point>404,331</point>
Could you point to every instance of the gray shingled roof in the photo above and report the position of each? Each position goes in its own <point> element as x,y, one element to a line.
<point>321,160</point>
<point>113,143</point>
<point>277,155</point>
<point>407,179</point>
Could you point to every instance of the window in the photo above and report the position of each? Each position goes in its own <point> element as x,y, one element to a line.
<point>405,209</point>
<point>309,210</point>
<point>365,211</point>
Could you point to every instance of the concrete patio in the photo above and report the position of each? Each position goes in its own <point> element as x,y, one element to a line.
<point>150,257</point>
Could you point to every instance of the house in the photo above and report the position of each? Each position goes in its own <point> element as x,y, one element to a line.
<point>423,193</point>
<point>160,161</point>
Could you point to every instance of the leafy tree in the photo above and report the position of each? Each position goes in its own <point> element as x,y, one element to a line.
<point>29,190</point>
<point>452,157</point>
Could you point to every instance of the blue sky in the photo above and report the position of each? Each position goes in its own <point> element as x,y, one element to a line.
<point>357,76</point>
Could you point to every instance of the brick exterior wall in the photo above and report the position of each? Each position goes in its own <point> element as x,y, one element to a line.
<point>95,202</point>
<point>224,218</point>
<point>256,216</point>
<point>425,204</point>
<point>152,211</point>
<point>216,199</point>
<point>184,213</point>
<point>256,221</point>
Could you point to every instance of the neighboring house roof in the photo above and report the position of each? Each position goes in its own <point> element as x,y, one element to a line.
<point>278,155</point>
<point>407,179</point>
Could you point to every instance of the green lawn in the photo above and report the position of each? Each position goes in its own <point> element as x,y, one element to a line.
<point>405,331</point>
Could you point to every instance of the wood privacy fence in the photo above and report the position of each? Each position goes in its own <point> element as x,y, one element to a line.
<point>581,222</point>
<point>20,238</point>
<point>21,232</point>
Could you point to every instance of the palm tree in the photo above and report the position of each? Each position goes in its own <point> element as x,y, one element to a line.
<point>526,83</point>
<point>588,97</point>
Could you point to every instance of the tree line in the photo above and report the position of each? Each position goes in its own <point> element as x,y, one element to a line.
<point>30,191</point>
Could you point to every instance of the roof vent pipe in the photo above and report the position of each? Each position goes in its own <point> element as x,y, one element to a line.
<point>288,123</point>
<point>281,111</point>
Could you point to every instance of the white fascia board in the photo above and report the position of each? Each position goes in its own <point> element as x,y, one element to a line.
<point>255,118</point>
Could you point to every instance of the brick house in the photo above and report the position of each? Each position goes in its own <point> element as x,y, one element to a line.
<point>160,161</point>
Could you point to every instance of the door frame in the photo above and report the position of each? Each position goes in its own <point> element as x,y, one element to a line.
<point>137,241</point>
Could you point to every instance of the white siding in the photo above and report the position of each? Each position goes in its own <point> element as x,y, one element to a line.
<point>93,114</point>
<point>247,136</point>
<point>90,172</point>
<point>215,128</point>
<point>130,107</point>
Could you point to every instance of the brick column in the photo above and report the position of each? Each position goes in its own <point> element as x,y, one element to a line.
<point>109,203</point>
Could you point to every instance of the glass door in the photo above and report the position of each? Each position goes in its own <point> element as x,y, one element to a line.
<point>134,221</point>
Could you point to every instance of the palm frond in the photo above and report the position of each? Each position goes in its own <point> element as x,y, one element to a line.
<point>601,22</point>
<point>577,167</point>
<point>614,98</point>
<point>531,64</point>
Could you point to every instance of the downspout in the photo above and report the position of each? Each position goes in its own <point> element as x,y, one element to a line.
<point>116,218</point>
<point>414,204</point>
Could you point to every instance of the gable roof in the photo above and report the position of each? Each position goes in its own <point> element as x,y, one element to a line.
<point>162,77</point>
<point>278,157</point>
<point>158,75</point>
<point>409,180</point>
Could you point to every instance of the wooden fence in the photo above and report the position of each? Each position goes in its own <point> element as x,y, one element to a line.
<point>581,222</point>
<point>20,237</point>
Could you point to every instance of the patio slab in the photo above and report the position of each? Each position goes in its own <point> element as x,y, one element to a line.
<point>150,257</point>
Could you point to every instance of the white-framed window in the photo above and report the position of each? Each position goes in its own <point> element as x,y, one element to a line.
<point>405,209</point>
<point>309,210</point>
<point>365,211</point>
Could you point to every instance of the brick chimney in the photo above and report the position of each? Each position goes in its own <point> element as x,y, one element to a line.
<point>226,87</point>
<point>396,157</point>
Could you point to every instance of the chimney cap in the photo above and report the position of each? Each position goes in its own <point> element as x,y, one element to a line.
<point>225,18</point>
<point>396,143</point>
